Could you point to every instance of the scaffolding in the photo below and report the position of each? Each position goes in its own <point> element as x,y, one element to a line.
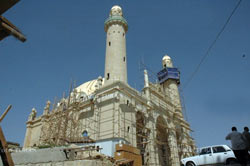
<point>62,125</point>
<point>4,151</point>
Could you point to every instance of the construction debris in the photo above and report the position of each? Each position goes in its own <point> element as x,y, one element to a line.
<point>127,155</point>
<point>12,146</point>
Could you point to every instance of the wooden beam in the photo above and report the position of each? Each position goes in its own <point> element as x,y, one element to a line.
<point>13,31</point>
<point>140,135</point>
<point>4,152</point>
<point>5,113</point>
<point>6,4</point>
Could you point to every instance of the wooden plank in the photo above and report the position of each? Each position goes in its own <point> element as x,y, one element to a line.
<point>6,4</point>
<point>11,30</point>
<point>5,155</point>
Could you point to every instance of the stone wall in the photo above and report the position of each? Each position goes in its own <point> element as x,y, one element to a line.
<point>51,157</point>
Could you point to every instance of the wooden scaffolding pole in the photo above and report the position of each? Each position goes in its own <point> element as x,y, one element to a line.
<point>4,152</point>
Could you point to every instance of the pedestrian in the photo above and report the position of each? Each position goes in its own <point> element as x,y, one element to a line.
<point>238,146</point>
<point>246,135</point>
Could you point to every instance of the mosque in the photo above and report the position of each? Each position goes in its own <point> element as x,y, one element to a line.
<point>108,111</point>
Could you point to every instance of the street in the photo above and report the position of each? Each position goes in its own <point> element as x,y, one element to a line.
<point>230,165</point>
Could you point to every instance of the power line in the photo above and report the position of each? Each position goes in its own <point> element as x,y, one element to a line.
<point>211,46</point>
<point>151,73</point>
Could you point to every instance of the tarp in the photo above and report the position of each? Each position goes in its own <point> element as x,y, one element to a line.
<point>168,73</point>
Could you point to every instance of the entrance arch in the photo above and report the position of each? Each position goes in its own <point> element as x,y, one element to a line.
<point>162,135</point>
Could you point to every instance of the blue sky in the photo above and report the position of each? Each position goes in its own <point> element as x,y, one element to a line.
<point>66,40</point>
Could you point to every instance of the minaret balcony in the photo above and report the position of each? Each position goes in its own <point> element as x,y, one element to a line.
<point>116,20</point>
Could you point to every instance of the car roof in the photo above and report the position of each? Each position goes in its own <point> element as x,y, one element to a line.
<point>214,146</point>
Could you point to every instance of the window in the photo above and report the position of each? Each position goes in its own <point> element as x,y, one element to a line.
<point>108,76</point>
<point>118,31</point>
<point>113,31</point>
<point>123,34</point>
<point>109,43</point>
<point>124,59</point>
<point>85,133</point>
<point>127,102</point>
<point>128,129</point>
<point>97,148</point>
<point>205,151</point>
<point>218,149</point>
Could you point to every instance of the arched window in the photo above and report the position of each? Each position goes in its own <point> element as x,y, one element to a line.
<point>85,133</point>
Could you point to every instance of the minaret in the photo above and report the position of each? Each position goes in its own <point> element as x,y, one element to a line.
<point>116,61</point>
<point>171,85</point>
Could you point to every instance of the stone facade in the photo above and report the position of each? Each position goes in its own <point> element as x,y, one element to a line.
<point>151,120</point>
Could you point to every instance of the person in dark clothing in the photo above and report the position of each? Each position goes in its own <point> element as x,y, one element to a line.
<point>246,135</point>
<point>238,146</point>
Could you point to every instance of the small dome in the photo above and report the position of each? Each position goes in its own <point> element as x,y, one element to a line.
<point>166,57</point>
<point>116,10</point>
<point>166,61</point>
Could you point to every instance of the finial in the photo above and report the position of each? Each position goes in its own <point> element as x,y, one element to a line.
<point>146,81</point>
<point>46,108</point>
<point>32,114</point>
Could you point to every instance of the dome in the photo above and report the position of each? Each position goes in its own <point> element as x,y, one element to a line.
<point>88,87</point>
<point>166,61</point>
<point>166,57</point>
<point>116,11</point>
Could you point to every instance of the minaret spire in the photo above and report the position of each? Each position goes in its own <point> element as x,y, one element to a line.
<point>116,61</point>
